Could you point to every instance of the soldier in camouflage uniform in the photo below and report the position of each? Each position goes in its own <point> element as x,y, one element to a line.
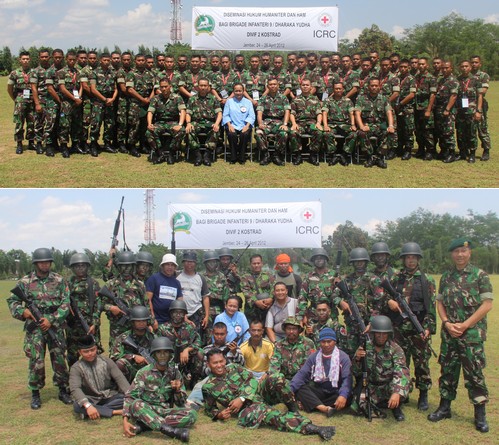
<point>50,293</point>
<point>404,111</point>
<point>222,81</point>
<point>388,375</point>
<point>128,289</point>
<point>445,99</point>
<point>367,293</point>
<point>229,270</point>
<point>140,90</point>
<point>324,320</point>
<point>203,115</point>
<point>70,91</point>
<point>83,291</point>
<point>40,95</point>
<point>349,78</point>
<point>325,79</point>
<point>150,401</point>
<point>254,81</point>
<point>188,84</point>
<point>105,92</point>
<point>306,118</point>
<point>380,256</point>
<point>165,118</point>
<point>390,88</point>
<point>279,73</point>
<point>19,89</point>
<point>297,76</point>
<point>483,129</point>
<point>123,103</point>
<point>170,73</point>
<point>469,101</point>
<point>426,88</point>
<point>128,358</point>
<point>232,391</point>
<point>419,290</point>
<point>85,76</point>
<point>186,342</point>
<point>272,115</point>
<point>256,287</point>
<point>365,76</point>
<point>463,301</point>
<point>374,117</point>
<point>339,120</point>
<point>144,263</point>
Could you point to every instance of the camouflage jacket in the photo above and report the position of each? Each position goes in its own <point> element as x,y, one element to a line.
<point>364,83</point>
<point>282,77</point>
<point>386,367</point>
<point>407,86</point>
<point>447,86</point>
<point>70,78</point>
<point>289,357</point>
<point>120,350</point>
<point>254,82</point>
<point>166,109</point>
<point>317,327</point>
<point>469,88</point>
<point>305,109</point>
<point>237,357</point>
<point>37,78</point>
<point>462,293</point>
<point>52,79</point>
<point>295,79</point>
<point>154,388</point>
<point>326,81</point>
<point>174,78</point>
<point>20,80</point>
<point>316,287</point>
<point>373,109</point>
<point>203,110</point>
<point>389,84</point>
<point>426,85</point>
<point>132,293</point>
<point>219,292</point>
<point>338,111</point>
<point>104,81</point>
<point>273,108</point>
<point>223,81</point>
<point>349,80</point>
<point>121,79</point>
<point>142,82</point>
<point>78,290</point>
<point>50,294</point>
<point>182,337</point>
<point>252,285</point>
<point>189,80</point>
<point>484,79</point>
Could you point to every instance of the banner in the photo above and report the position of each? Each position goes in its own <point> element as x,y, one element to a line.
<point>271,225</point>
<point>265,29</point>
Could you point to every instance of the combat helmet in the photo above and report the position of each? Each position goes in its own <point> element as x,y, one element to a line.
<point>411,248</point>
<point>380,247</point>
<point>225,251</point>
<point>161,344</point>
<point>139,313</point>
<point>42,254</point>
<point>210,255</point>
<point>319,251</point>
<point>125,257</point>
<point>144,257</point>
<point>79,258</point>
<point>381,323</point>
<point>358,254</point>
<point>178,304</point>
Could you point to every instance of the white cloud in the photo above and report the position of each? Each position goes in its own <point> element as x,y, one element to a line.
<point>352,34</point>
<point>444,206</point>
<point>19,4</point>
<point>398,31</point>
<point>22,22</point>
<point>191,197</point>
<point>492,18</point>
<point>370,226</point>
<point>328,230</point>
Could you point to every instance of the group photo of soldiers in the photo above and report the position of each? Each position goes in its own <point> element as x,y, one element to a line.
<point>265,346</point>
<point>321,108</point>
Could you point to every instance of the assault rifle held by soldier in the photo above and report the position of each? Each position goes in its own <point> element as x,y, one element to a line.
<point>75,310</point>
<point>105,292</point>
<point>143,352</point>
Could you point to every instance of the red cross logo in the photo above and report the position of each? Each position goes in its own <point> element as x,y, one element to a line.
<point>325,19</point>
<point>307,215</point>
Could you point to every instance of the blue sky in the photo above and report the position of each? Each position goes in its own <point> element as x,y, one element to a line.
<point>99,23</point>
<point>79,218</point>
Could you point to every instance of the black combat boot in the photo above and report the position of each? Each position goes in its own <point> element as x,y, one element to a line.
<point>398,414</point>
<point>333,160</point>
<point>442,412</point>
<point>36,401</point>
<point>140,428</point>
<point>169,158</point>
<point>324,432</point>
<point>449,157</point>
<point>49,151</point>
<point>64,397</point>
<point>278,161</point>
<point>265,160</point>
<point>64,150</point>
<point>31,145</point>
<point>94,149</point>
<point>480,419</point>
<point>39,148</point>
<point>292,407</point>
<point>391,155</point>
<point>19,149</point>
<point>198,160</point>
<point>420,154</point>
<point>122,149</point>
<point>134,152</point>
<point>485,155</point>
<point>297,159</point>
<point>471,159</point>
<point>175,433</point>
<point>406,156</point>
<point>430,155</point>
<point>206,159</point>
<point>370,162</point>
<point>380,162</point>
<point>423,400</point>
<point>314,159</point>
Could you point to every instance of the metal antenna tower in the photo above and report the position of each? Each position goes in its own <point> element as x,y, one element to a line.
<point>149,223</point>
<point>176,27</point>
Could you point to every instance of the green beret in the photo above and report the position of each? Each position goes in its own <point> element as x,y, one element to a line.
<point>459,242</point>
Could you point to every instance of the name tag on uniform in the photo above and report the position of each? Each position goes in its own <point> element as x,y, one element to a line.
<point>325,95</point>
<point>256,95</point>
<point>26,94</point>
<point>298,92</point>
<point>465,103</point>
<point>76,94</point>
<point>224,94</point>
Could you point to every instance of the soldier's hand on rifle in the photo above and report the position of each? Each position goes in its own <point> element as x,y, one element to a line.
<point>155,325</point>
<point>115,310</point>
<point>112,252</point>
<point>232,347</point>
<point>140,360</point>
<point>360,353</point>
<point>309,329</point>
<point>368,329</point>
<point>394,401</point>
<point>340,403</point>
<point>394,306</point>
<point>184,357</point>
<point>128,428</point>
<point>92,413</point>
<point>427,334</point>
<point>233,269</point>
<point>91,331</point>
<point>45,324</point>
<point>27,314</point>
<point>345,306</point>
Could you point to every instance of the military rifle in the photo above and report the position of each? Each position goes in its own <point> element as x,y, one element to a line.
<point>37,314</point>
<point>105,292</point>
<point>226,349</point>
<point>143,352</point>
<point>174,375</point>
<point>77,313</point>
<point>117,224</point>
<point>406,311</point>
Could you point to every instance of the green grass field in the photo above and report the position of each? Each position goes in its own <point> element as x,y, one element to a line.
<point>56,424</point>
<point>108,170</point>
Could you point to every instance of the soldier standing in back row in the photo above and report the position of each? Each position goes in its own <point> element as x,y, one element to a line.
<point>40,95</point>
<point>483,129</point>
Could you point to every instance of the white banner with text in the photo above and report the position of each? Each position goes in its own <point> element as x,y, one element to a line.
<point>270,225</point>
<point>265,29</point>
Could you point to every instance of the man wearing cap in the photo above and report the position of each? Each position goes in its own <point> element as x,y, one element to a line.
<point>50,293</point>
<point>284,274</point>
<point>282,308</point>
<point>162,288</point>
<point>463,301</point>
<point>324,382</point>
<point>97,385</point>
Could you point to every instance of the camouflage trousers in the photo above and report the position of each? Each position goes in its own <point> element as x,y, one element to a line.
<point>72,335</point>
<point>164,130</point>
<point>424,128</point>
<point>35,344</point>
<point>156,415</point>
<point>296,141</point>
<point>405,129</point>
<point>24,112</point>
<point>340,130</point>
<point>275,389</point>
<point>379,393</point>
<point>259,413</point>
<point>384,140</point>
<point>40,118</point>
<point>129,369</point>
<point>211,138</point>
<point>454,354</point>
<point>102,114</point>
<point>87,117</point>
<point>122,120</point>
<point>271,129</point>
<point>416,348</point>
<point>466,131</point>
<point>444,131</point>
<point>137,123</point>
<point>51,122</point>
<point>483,128</point>
<point>70,123</point>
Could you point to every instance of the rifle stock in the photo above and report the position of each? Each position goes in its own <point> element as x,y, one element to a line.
<point>143,352</point>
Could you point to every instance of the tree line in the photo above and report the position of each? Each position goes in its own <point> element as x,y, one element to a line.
<point>453,37</point>
<point>433,232</point>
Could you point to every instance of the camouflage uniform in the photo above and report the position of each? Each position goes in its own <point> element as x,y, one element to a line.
<point>105,83</point>
<point>273,109</point>
<point>330,323</point>
<point>363,85</point>
<point>52,108</point>
<point>88,102</point>
<point>71,117</point>
<point>123,354</point>
<point>419,292</point>
<point>325,83</point>
<point>461,293</point>
<point>289,357</point>
<point>426,85</point>
<point>387,374</point>
<point>254,82</point>
<point>148,400</point>
<point>219,293</point>
<point>282,78</point>
<point>252,286</point>
<point>24,110</point>
<point>482,127</point>
<point>239,382</point>
<point>405,115</point>
<point>166,113</point>
<point>189,80</point>
<point>350,80</point>
<point>79,293</point>
<point>295,79</point>
<point>174,78</point>
<point>338,120</point>
<point>37,78</point>
<point>223,83</point>
<point>130,292</point>
<point>389,85</point>
<point>123,109</point>
<point>316,287</point>
<point>203,112</point>
<point>51,295</point>
<point>444,125</point>
<point>305,109</point>
<point>466,125</point>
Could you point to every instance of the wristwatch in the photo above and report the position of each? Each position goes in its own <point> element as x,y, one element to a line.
<point>87,405</point>
<point>243,399</point>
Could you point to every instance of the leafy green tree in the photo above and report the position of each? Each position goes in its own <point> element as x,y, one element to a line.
<point>374,38</point>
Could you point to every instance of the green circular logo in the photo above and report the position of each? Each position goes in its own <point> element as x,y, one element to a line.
<point>182,222</point>
<point>204,24</point>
